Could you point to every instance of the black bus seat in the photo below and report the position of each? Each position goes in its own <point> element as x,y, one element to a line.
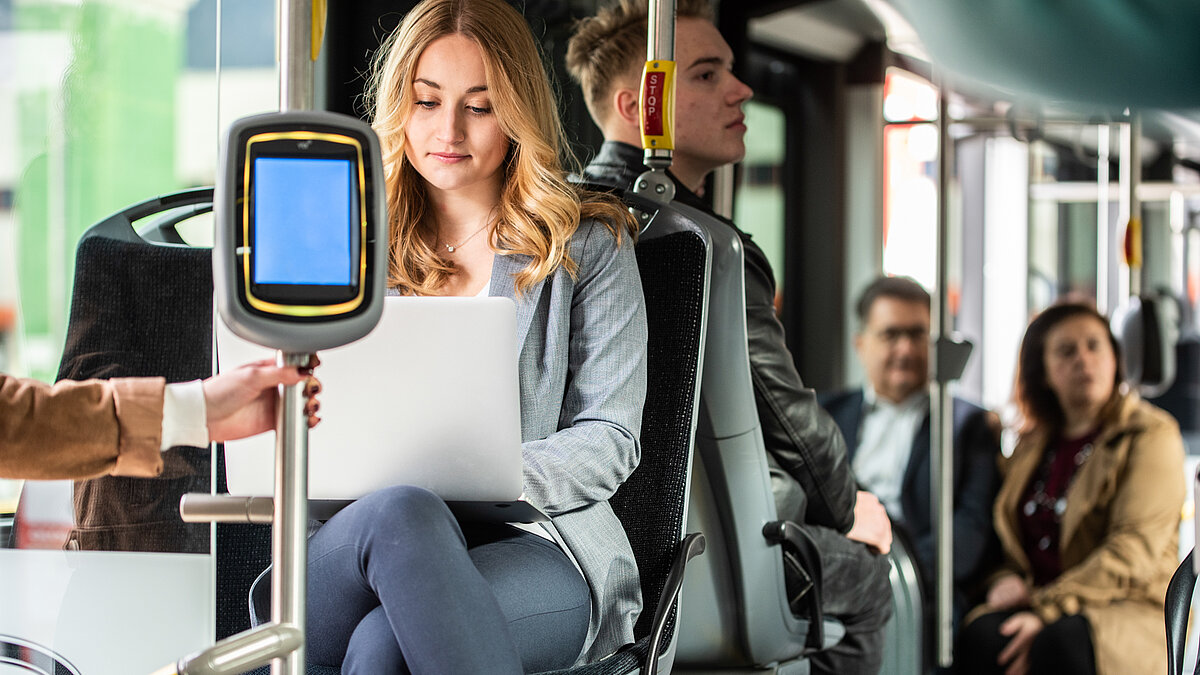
<point>735,609</point>
<point>673,259</point>
<point>141,309</point>
<point>142,305</point>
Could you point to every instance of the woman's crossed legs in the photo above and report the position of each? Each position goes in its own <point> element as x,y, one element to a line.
<point>394,584</point>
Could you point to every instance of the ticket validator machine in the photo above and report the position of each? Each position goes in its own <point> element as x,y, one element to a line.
<point>298,265</point>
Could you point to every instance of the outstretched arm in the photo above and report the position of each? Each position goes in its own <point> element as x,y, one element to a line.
<point>97,427</point>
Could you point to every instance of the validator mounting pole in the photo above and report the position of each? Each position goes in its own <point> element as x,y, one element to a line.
<point>656,103</point>
<point>276,288</point>
<point>289,543</point>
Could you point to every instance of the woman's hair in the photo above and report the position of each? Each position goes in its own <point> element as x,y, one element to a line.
<point>539,210</point>
<point>1038,403</point>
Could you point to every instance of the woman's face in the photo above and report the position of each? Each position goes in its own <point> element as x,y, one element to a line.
<point>453,138</point>
<point>1080,363</point>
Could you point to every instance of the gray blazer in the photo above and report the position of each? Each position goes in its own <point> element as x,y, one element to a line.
<point>583,383</point>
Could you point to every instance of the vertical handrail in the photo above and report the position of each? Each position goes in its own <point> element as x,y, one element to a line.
<point>289,543</point>
<point>941,413</point>
<point>1134,244</point>
<point>289,532</point>
<point>295,29</point>
<point>1129,206</point>
<point>656,103</point>
<point>1103,254</point>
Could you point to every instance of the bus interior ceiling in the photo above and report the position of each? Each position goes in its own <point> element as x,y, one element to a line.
<point>819,68</point>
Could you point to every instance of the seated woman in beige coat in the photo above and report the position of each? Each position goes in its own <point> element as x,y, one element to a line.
<point>1088,515</point>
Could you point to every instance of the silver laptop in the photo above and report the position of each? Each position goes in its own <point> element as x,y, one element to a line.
<point>429,398</point>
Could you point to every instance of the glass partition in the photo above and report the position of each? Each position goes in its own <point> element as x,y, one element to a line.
<point>104,104</point>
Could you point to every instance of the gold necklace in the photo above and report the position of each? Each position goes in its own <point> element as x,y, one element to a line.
<point>452,247</point>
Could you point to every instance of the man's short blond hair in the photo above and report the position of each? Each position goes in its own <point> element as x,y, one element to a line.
<point>612,45</point>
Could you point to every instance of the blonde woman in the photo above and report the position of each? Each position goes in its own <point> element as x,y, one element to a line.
<point>479,205</point>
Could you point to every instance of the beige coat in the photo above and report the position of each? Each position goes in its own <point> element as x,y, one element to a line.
<point>1120,535</point>
<point>80,429</point>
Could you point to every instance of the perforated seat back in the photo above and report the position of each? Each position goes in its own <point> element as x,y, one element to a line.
<point>142,306</point>
<point>140,309</point>
<point>673,260</point>
<point>652,503</point>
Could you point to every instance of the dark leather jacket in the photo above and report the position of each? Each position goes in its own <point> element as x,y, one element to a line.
<point>802,441</point>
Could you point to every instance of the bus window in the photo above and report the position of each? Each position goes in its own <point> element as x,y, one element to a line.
<point>759,208</point>
<point>115,104</point>
<point>910,177</point>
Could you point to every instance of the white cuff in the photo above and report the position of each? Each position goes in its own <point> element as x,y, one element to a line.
<point>185,416</point>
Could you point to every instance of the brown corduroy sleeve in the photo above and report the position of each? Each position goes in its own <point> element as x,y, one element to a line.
<point>80,429</point>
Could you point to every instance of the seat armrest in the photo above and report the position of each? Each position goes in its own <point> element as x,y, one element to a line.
<point>691,546</point>
<point>1178,606</point>
<point>796,540</point>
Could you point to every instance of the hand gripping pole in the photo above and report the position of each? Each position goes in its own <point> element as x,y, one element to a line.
<point>280,642</point>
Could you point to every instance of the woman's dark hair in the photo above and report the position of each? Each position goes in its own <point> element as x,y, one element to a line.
<point>1038,403</point>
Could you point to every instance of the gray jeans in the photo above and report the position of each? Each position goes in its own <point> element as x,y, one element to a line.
<point>396,585</point>
<point>855,590</point>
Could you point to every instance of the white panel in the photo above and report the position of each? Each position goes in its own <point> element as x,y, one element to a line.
<point>1005,272</point>
<point>105,613</point>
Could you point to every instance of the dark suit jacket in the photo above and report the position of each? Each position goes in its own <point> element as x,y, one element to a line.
<point>976,448</point>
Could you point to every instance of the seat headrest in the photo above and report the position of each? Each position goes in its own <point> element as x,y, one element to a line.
<point>1147,327</point>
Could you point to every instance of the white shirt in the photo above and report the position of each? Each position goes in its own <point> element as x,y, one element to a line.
<point>185,416</point>
<point>885,444</point>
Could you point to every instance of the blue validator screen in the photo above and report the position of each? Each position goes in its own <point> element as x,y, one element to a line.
<point>305,215</point>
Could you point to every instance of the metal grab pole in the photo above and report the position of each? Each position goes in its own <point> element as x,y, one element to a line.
<point>657,102</point>
<point>941,413</point>
<point>1103,254</point>
<point>289,540</point>
<point>289,543</point>
<point>282,641</point>
<point>295,30</point>
<point>1131,180</point>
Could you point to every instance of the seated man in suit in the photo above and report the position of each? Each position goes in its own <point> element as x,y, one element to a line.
<point>886,426</point>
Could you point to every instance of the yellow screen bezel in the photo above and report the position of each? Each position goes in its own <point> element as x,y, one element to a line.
<point>268,306</point>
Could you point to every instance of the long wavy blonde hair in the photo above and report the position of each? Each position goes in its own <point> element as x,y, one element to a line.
<point>539,210</point>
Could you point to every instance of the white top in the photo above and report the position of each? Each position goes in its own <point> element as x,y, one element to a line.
<point>185,416</point>
<point>885,444</point>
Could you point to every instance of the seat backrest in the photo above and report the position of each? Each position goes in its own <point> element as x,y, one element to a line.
<point>737,610</point>
<point>673,260</point>
<point>674,257</point>
<point>140,309</point>
<point>142,305</point>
